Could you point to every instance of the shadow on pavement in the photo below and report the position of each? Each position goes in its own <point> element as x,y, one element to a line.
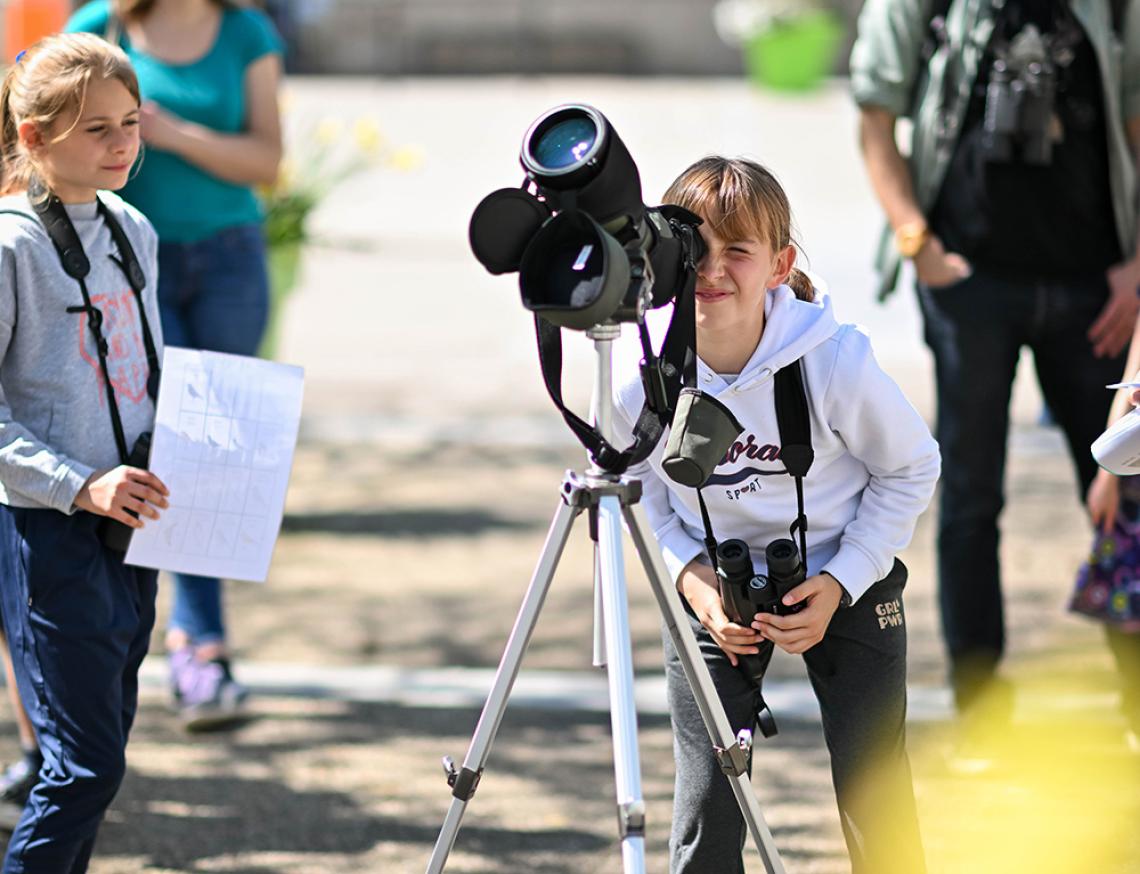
<point>401,523</point>
<point>332,786</point>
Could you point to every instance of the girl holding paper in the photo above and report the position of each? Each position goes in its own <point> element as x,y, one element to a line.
<point>76,389</point>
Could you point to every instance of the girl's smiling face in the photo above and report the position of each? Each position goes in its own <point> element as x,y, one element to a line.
<point>88,148</point>
<point>733,278</point>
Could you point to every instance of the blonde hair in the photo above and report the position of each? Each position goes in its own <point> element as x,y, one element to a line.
<point>49,80</point>
<point>740,200</point>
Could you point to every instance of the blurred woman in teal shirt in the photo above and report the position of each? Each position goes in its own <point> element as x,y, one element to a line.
<point>209,72</point>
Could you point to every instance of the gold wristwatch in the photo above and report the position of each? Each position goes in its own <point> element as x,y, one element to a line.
<point>911,237</point>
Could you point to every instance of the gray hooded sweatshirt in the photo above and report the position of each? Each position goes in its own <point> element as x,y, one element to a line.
<point>55,424</point>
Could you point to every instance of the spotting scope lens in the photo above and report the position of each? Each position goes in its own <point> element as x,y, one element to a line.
<point>565,143</point>
<point>563,146</point>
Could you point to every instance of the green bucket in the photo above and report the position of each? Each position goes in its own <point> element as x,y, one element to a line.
<point>794,54</point>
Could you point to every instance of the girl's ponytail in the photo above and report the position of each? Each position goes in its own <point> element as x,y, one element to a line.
<point>799,282</point>
<point>9,135</point>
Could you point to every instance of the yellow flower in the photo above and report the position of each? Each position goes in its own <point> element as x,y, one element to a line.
<point>323,155</point>
<point>406,158</point>
<point>286,175</point>
<point>329,131</point>
<point>369,139</point>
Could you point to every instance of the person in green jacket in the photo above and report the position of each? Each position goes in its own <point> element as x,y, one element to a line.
<point>1017,206</point>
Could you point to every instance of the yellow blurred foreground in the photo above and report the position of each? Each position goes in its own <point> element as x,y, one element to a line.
<point>1054,789</point>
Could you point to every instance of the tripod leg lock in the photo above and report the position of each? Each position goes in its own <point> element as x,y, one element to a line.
<point>631,819</point>
<point>463,781</point>
<point>734,760</point>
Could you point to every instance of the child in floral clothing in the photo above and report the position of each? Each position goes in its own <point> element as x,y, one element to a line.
<point>1108,583</point>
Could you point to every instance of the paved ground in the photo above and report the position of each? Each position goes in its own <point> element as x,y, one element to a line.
<point>427,477</point>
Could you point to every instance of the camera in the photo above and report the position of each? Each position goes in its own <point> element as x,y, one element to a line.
<point>1018,122</point>
<point>113,533</point>
<point>744,593</point>
<point>586,248</point>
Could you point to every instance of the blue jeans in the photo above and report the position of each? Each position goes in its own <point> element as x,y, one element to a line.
<point>213,294</point>
<point>78,623</point>
<point>976,330</point>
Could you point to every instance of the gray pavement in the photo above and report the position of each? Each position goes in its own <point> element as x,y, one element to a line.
<point>428,473</point>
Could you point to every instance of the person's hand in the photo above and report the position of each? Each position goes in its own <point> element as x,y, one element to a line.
<point>159,128</point>
<point>1134,397</point>
<point>799,632</point>
<point>937,268</point>
<point>1113,327</point>
<point>698,583</point>
<point>113,492</point>
<point>1103,499</point>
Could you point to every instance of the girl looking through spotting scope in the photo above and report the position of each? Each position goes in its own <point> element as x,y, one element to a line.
<point>874,471</point>
<point>78,377</point>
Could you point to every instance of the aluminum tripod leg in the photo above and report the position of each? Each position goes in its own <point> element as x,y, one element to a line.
<point>731,752</point>
<point>466,779</point>
<point>619,670</point>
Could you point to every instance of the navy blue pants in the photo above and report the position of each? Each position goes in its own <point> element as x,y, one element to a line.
<point>976,330</point>
<point>78,623</point>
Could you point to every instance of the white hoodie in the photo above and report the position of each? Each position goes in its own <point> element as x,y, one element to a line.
<point>875,469</point>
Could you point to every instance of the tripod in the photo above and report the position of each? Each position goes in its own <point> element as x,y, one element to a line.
<point>609,499</point>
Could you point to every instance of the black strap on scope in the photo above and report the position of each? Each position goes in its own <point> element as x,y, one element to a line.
<point>53,216</point>
<point>660,374</point>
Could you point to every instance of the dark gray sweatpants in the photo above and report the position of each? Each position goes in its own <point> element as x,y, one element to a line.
<point>858,672</point>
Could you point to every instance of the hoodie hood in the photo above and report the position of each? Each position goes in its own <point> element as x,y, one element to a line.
<point>792,328</point>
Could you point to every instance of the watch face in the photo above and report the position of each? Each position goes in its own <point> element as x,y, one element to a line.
<point>910,241</point>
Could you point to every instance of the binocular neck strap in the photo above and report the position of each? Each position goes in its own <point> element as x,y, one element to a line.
<point>801,520</point>
<point>794,420</point>
<point>710,538</point>
<point>129,264</point>
<point>61,230</point>
<point>94,324</point>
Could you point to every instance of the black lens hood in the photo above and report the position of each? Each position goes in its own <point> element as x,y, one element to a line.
<point>573,273</point>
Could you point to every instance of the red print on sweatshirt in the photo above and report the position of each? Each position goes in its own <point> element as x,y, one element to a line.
<point>126,355</point>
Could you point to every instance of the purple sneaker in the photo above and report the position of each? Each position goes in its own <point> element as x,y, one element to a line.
<point>205,694</point>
